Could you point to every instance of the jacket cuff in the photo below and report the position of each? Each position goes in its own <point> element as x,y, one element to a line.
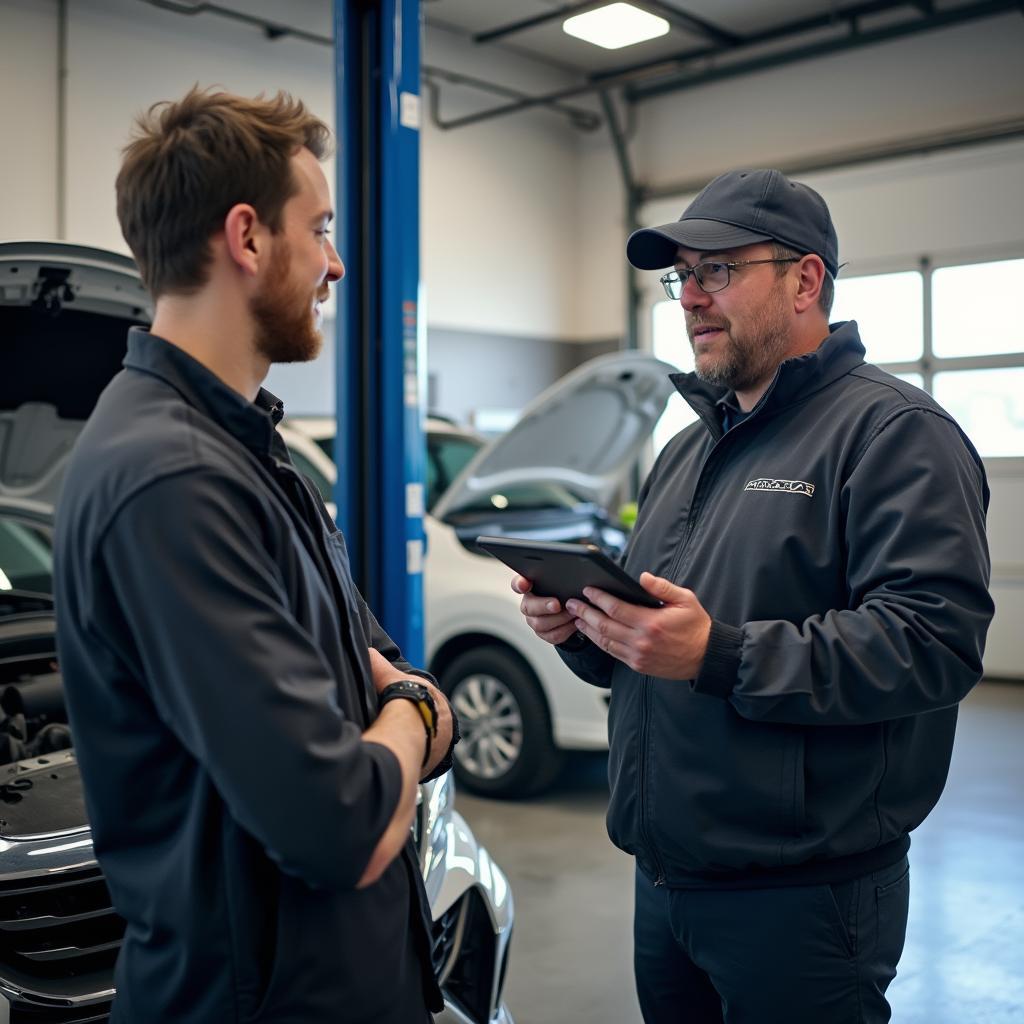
<point>576,643</point>
<point>721,666</point>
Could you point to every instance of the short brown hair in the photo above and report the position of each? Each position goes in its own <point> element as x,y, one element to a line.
<point>189,162</point>
<point>828,285</point>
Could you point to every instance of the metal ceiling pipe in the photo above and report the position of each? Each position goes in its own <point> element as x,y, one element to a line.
<point>585,120</point>
<point>631,205</point>
<point>856,39</point>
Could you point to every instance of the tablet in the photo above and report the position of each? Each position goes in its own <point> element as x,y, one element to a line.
<point>563,570</point>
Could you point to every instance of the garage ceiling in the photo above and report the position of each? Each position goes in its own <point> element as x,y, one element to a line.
<point>546,40</point>
<point>707,40</point>
<point>704,35</point>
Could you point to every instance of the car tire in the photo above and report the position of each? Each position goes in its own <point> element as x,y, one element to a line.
<point>507,749</point>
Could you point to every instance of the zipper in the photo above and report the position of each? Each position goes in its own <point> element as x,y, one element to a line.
<point>646,682</point>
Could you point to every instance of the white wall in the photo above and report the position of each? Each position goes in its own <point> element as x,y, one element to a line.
<point>927,83</point>
<point>122,56</point>
<point>28,71</point>
<point>499,202</point>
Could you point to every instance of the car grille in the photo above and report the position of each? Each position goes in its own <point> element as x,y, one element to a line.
<point>466,946</point>
<point>59,938</point>
<point>442,940</point>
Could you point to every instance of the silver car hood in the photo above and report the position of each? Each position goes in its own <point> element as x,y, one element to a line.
<point>582,432</point>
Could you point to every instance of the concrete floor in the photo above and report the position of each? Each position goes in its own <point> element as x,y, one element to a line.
<point>964,958</point>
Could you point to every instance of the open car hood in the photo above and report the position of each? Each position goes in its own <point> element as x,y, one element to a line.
<point>582,433</point>
<point>65,311</point>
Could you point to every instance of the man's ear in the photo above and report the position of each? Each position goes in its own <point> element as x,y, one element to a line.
<point>244,238</point>
<point>811,277</point>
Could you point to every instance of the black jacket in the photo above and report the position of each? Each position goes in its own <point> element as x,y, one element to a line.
<point>837,539</point>
<point>214,651</point>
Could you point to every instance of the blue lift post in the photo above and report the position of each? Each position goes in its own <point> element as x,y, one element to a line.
<point>381,378</point>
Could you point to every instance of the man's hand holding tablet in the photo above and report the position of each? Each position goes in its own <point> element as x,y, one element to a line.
<point>666,636</point>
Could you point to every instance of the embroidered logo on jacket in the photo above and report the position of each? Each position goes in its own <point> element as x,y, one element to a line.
<point>792,486</point>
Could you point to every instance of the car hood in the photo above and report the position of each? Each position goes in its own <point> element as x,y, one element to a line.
<point>64,316</point>
<point>583,432</point>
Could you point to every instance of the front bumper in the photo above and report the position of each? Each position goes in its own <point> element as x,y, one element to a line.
<point>473,911</point>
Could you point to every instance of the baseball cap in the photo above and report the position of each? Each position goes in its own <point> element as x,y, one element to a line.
<point>738,208</point>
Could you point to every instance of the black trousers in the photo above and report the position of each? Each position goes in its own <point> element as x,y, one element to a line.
<point>820,954</point>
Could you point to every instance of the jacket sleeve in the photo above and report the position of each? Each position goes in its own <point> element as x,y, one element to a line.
<point>240,683</point>
<point>383,643</point>
<point>588,662</point>
<point>911,637</point>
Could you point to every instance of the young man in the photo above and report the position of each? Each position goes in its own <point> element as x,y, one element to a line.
<point>250,764</point>
<point>783,722</point>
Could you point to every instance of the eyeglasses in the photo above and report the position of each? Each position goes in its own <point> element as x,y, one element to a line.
<point>712,277</point>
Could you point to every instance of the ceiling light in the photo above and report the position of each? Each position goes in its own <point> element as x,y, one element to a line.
<point>615,25</point>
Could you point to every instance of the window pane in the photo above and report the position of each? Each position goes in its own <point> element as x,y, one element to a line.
<point>917,379</point>
<point>26,557</point>
<point>889,311</point>
<point>957,327</point>
<point>988,405</point>
<point>447,456</point>
<point>671,344</point>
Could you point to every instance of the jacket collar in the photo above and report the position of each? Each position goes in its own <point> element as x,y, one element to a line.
<point>795,378</point>
<point>251,423</point>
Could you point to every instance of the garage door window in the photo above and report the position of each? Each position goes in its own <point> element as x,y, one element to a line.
<point>955,331</point>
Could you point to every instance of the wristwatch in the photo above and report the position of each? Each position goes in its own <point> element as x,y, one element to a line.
<point>406,689</point>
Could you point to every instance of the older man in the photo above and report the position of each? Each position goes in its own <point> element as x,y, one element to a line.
<point>786,718</point>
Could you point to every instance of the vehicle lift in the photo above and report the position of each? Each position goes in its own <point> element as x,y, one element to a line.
<point>381,336</point>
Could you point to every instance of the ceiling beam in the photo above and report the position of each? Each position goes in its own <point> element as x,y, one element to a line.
<point>271,29</point>
<point>853,39</point>
<point>512,27</point>
<point>692,24</point>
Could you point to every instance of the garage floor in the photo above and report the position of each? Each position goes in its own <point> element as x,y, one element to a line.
<point>964,958</point>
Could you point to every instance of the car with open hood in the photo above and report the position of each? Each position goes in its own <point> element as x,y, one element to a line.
<point>552,476</point>
<point>64,315</point>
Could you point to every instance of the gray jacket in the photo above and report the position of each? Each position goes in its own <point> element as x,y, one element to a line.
<point>837,538</point>
<point>214,650</point>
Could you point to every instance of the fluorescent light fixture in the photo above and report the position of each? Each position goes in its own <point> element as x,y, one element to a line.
<point>615,25</point>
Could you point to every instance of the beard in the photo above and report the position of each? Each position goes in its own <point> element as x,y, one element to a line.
<point>750,356</point>
<point>286,331</point>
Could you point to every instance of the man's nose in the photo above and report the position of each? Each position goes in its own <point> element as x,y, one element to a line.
<point>693,296</point>
<point>335,268</point>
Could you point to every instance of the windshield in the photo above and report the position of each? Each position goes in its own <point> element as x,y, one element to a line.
<point>522,498</point>
<point>26,555</point>
<point>447,456</point>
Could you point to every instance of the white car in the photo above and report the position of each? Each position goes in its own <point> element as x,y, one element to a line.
<point>550,477</point>
<point>64,315</point>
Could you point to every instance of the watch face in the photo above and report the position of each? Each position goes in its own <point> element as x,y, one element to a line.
<point>418,694</point>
